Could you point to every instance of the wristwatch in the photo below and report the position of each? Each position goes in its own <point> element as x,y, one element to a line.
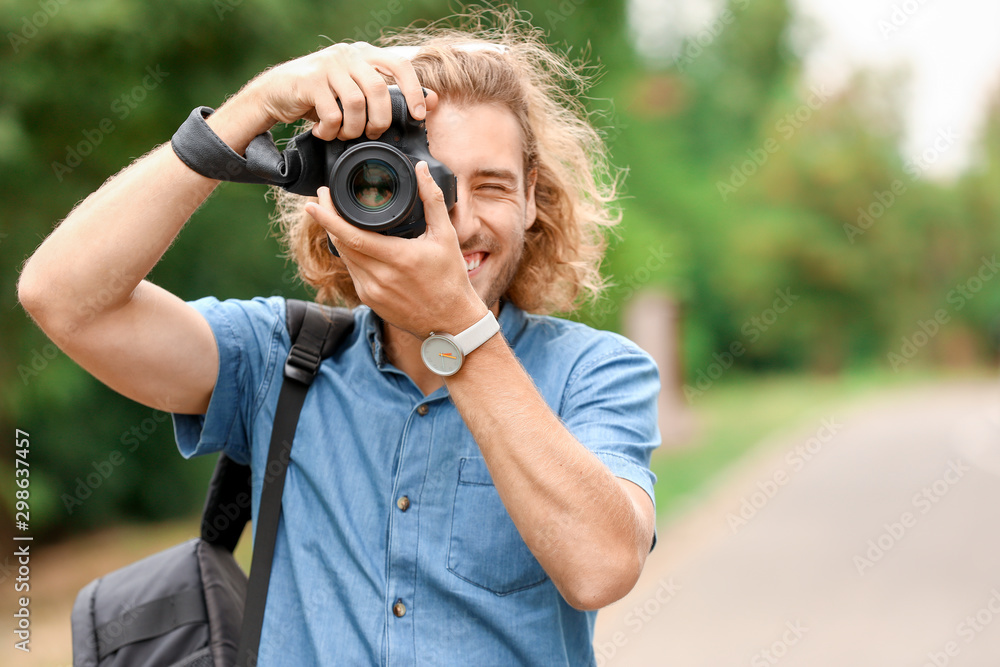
<point>444,353</point>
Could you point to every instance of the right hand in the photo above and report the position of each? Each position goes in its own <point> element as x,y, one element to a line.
<point>309,87</point>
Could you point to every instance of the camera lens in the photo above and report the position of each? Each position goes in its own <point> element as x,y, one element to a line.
<point>373,184</point>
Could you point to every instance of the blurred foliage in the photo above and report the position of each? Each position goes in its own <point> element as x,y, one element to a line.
<point>759,185</point>
<point>89,87</point>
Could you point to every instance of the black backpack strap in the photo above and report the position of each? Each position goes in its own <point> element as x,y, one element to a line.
<point>227,503</point>
<point>321,331</point>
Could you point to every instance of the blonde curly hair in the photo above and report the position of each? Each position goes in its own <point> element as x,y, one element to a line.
<point>575,187</point>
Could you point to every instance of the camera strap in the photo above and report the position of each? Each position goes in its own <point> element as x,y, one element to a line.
<point>315,331</point>
<point>201,149</point>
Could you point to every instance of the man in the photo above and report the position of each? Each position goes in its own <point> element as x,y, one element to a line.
<point>476,518</point>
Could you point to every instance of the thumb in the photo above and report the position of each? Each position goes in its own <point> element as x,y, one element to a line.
<point>435,209</point>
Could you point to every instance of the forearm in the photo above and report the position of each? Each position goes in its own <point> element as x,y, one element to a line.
<point>113,239</point>
<point>571,511</point>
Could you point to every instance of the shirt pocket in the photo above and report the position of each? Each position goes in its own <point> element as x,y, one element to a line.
<point>485,548</point>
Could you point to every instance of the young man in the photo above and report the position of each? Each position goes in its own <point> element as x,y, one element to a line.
<point>476,518</point>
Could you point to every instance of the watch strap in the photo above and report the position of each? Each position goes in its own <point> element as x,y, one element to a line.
<point>478,333</point>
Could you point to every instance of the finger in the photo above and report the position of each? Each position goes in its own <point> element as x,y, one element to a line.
<point>402,71</point>
<point>353,105</point>
<point>327,113</point>
<point>349,240</point>
<point>349,260</point>
<point>355,268</point>
<point>379,105</point>
<point>435,209</point>
<point>324,213</point>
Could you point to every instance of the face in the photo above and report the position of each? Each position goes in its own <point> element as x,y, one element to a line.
<point>495,203</point>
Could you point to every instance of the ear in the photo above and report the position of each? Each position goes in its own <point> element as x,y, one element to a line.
<point>530,211</point>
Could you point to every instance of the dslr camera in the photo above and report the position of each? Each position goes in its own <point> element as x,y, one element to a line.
<point>372,182</point>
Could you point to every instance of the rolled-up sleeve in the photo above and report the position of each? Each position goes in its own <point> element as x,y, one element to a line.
<point>610,406</point>
<point>246,335</point>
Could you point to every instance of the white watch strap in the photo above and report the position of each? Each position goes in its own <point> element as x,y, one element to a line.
<point>478,333</point>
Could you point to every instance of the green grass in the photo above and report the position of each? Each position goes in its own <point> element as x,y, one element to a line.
<point>742,411</point>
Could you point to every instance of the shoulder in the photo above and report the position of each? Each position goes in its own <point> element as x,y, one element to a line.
<point>574,347</point>
<point>263,318</point>
<point>240,314</point>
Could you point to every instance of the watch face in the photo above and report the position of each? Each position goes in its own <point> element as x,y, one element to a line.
<point>441,355</point>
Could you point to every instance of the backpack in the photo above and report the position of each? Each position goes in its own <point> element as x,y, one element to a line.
<point>192,605</point>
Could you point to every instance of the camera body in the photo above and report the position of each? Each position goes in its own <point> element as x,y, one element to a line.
<point>372,182</point>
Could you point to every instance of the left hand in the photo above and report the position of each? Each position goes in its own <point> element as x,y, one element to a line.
<point>419,285</point>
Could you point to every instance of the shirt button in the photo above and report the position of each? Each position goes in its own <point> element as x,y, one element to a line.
<point>423,410</point>
<point>403,503</point>
<point>399,609</point>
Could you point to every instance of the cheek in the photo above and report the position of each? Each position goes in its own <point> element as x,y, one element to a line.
<point>502,215</point>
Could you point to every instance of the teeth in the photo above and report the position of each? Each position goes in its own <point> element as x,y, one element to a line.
<point>473,264</point>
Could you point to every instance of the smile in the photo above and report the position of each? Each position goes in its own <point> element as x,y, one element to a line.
<point>473,260</point>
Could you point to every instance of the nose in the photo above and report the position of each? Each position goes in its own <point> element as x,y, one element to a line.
<point>463,216</point>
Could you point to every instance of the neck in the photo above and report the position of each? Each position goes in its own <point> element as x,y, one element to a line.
<point>402,349</point>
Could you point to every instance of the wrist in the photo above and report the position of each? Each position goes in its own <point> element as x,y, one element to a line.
<point>444,354</point>
<point>240,119</point>
<point>464,318</point>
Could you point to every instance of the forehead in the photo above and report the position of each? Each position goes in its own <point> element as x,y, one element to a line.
<point>473,137</point>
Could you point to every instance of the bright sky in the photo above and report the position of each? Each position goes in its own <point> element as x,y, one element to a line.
<point>951,47</point>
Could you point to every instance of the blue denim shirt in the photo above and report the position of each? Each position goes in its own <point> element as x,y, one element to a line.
<point>349,548</point>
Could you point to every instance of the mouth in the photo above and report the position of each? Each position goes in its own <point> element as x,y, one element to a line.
<point>474,260</point>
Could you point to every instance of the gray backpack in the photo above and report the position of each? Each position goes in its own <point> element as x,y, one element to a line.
<point>192,605</point>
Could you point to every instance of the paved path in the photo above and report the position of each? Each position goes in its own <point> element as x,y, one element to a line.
<point>881,548</point>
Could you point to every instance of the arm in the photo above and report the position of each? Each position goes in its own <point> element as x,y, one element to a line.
<point>84,287</point>
<point>85,284</point>
<point>590,530</point>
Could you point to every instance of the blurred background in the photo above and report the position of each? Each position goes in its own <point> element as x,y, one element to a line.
<point>810,225</point>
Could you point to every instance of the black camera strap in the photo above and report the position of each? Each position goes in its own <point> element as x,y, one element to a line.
<point>315,332</point>
<point>201,149</point>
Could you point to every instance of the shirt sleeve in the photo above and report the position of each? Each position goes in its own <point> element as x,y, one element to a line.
<point>610,406</point>
<point>247,334</point>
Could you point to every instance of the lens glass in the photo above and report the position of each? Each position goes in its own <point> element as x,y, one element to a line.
<point>373,185</point>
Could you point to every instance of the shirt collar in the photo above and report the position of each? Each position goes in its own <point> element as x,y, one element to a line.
<point>512,320</point>
<point>373,332</point>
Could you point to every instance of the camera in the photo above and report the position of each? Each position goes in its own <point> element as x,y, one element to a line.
<point>372,181</point>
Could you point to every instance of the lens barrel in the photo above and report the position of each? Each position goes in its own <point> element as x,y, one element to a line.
<point>373,186</point>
